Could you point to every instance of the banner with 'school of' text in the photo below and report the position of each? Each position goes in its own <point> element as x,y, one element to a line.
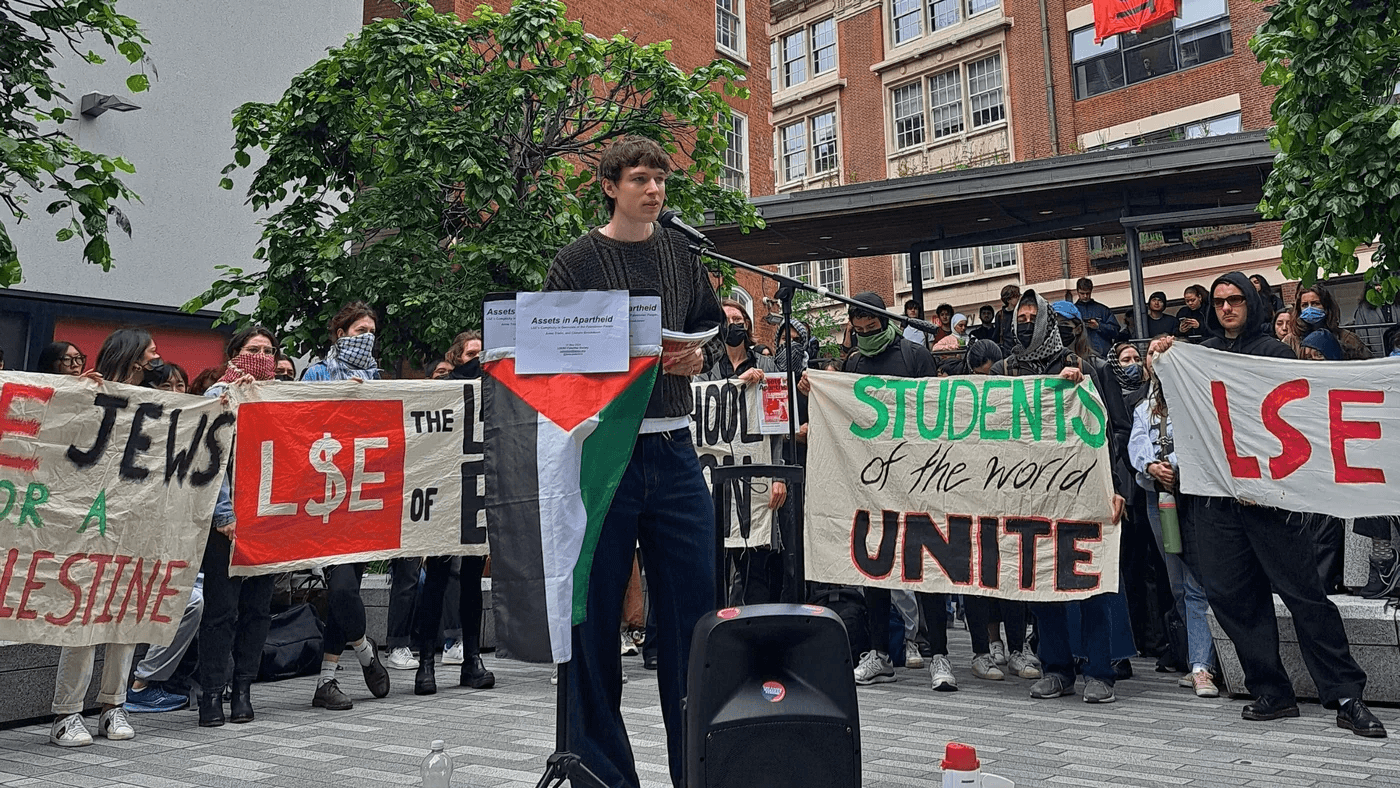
<point>725,427</point>
<point>106,495</point>
<point>344,472</point>
<point>994,486</point>
<point>1308,436</point>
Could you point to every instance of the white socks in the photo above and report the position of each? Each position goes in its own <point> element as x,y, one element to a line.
<point>364,652</point>
<point>327,671</point>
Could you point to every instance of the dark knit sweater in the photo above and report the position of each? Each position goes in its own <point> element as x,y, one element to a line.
<point>662,263</point>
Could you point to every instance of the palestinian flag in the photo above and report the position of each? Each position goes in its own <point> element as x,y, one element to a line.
<point>556,448</point>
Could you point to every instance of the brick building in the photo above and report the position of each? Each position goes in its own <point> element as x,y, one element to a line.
<point>877,89</point>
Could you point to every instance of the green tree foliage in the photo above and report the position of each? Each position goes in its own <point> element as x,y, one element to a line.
<point>1335,181</point>
<point>37,156</point>
<point>431,160</point>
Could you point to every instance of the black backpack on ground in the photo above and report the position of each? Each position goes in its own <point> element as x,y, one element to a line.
<point>293,645</point>
<point>849,604</point>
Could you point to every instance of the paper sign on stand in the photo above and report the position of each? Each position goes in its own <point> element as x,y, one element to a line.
<point>579,332</point>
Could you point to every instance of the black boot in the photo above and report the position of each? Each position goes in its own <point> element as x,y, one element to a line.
<point>211,709</point>
<point>475,674</point>
<point>240,706</point>
<point>425,682</point>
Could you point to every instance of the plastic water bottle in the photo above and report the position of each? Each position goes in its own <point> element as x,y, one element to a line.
<point>961,769</point>
<point>437,767</point>
<point>1171,526</point>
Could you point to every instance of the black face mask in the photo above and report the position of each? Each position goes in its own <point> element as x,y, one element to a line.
<point>735,335</point>
<point>284,378</point>
<point>470,370</point>
<point>155,374</point>
<point>1067,335</point>
<point>790,355</point>
<point>1024,333</point>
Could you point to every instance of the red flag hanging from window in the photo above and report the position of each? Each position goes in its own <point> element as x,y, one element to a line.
<point>1129,16</point>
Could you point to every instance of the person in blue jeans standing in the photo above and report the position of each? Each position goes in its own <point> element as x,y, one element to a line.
<point>662,502</point>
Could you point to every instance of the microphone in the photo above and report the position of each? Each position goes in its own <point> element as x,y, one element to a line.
<point>672,219</point>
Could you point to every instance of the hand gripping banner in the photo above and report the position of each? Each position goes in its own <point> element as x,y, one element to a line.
<point>344,472</point>
<point>106,493</point>
<point>980,485</point>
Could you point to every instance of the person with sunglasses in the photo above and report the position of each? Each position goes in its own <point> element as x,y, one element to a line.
<point>1243,554</point>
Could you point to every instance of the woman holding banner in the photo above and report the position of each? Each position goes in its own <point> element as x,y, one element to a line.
<point>127,356</point>
<point>236,609</point>
<point>351,357</point>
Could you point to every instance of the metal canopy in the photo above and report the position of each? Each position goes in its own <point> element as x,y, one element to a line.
<point>1071,196</point>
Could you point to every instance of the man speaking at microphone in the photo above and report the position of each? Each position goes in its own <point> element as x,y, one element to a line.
<point>662,501</point>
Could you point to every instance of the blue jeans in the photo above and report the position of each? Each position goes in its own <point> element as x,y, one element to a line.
<point>1102,635</point>
<point>662,503</point>
<point>1189,594</point>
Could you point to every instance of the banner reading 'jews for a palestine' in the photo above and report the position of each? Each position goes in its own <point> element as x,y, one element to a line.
<point>969,485</point>
<point>1309,436</point>
<point>106,493</point>
<point>347,471</point>
<point>725,427</point>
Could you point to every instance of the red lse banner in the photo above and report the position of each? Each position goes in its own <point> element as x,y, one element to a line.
<point>1129,16</point>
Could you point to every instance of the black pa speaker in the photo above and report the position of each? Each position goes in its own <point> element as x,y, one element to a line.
<point>771,700</point>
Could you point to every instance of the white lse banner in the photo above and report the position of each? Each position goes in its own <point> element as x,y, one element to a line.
<point>1307,436</point>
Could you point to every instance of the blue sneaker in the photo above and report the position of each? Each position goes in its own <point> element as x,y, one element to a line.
<point>154,699</point>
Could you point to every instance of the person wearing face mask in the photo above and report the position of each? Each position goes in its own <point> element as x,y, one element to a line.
<point>1104,633</point>
<point>465,355</point>
<point>286,370</point>
<point>1315,308</point>
<point>351,357</point>
<point>1126,365</point>
<point>237,610</point>
<point>129,356</point>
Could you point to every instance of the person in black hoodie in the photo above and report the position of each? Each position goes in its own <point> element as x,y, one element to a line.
<point>1244,553</point>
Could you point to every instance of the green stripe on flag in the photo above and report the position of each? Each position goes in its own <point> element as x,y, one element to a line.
<point>605,456</point>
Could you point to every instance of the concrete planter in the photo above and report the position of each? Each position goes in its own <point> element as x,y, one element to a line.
<point>27,675</point>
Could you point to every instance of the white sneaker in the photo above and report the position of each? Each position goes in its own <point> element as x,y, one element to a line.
<point>912,658</point>
<point>453,654</point>
<point>874,668</point>
<point>401,658</point>
<point>999,653</point>
<point>941,674</point>
<point>115,725</point>
<point>1024,664</point>
<point>984,666</point>
<point>629,648</point>
<point>554,677</point>
<point>70,731</point>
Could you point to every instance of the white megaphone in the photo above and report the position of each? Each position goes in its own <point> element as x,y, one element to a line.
<point>961,769</point>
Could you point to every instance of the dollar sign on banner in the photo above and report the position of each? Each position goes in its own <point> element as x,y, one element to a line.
<point>322,457</point>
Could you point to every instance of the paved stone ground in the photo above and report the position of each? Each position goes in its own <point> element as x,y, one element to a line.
<point>1155,735</point>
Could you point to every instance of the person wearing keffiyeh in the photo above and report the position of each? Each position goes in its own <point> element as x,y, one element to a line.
<point>351,357</point>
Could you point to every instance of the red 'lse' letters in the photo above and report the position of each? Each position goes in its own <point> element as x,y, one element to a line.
<point>1240,467</point>
<point>1296,448</point>
<point>1343,431</point>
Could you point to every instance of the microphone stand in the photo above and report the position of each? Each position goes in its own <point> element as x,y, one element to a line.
<point>787,288</point>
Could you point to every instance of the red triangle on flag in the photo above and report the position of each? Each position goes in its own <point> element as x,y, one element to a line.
<point>568,399</point>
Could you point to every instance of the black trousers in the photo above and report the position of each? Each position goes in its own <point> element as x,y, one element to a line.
<point>345,607</point>
<point>979,615</point>
<point>237,613</point>
<point>1374,527</point>
<point>1240,552</point>
<point>427,618</point>
<point>403,576</point>
<point>933,609</point>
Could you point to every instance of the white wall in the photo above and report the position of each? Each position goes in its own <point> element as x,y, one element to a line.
<point>211,57</point>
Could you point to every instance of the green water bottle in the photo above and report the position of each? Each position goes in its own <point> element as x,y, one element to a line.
<point>1171,526</point>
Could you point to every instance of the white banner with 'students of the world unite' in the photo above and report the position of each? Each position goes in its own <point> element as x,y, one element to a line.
<point>992,486</point>
<point>106,495</point>
<point>1307,436</point>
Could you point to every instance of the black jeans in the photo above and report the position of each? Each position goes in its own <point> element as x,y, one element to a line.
<point>933,609</point>
<point>1240,552</point>
<point>979,615</point>
<point>237,612</point>
<point>345,607</point>
<point>427,630</point>
<point>403,591</point>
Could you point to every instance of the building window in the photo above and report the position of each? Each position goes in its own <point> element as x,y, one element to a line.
<point>947,114</point>
<point>944,13</point>
<point>831,274</point>
<point>957,263</point>
<point>1199,35</point>
<point>1210,127</point>
<point>736,155</point>
<point>794,58</point>
<point>772,66</point>
<point>814,155</point>
<point>802,272</point>
<point>729,25</point>
<point>975,7</point>
<point>984,91</point>
<point>794,151</point>
<point>824,143</point>
<point>908,19</point>
<point>945,98</point>
<point>823,46</point>
<point>909,115</point>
